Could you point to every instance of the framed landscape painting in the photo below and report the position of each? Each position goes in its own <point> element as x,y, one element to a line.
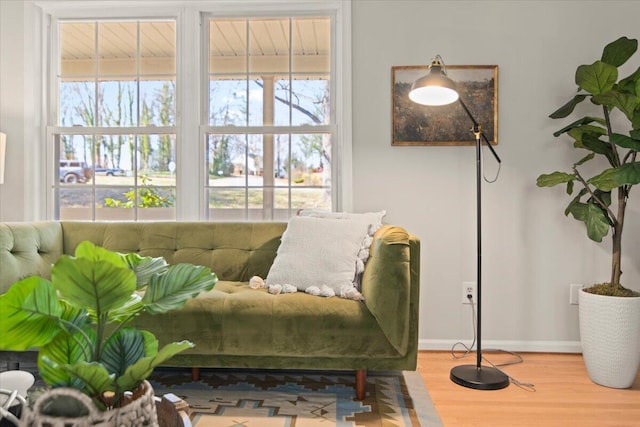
<point>415,124</point>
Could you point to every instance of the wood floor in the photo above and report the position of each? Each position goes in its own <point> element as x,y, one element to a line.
<point>564,395</point>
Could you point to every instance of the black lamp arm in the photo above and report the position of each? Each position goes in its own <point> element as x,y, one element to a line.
<point>476,126</point>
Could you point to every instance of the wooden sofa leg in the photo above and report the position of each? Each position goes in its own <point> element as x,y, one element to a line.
<point>195,374</point>
<point>361,381</point>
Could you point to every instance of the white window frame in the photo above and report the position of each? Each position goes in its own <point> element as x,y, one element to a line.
<point>190,202</point>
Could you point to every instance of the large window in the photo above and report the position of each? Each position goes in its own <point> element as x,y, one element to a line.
<point>193,115</point>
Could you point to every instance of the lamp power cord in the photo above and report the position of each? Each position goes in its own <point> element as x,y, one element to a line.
<point>484,176</point>
<point>468,349</point>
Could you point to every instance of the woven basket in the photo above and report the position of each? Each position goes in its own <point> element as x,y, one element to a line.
<point>140,412</point>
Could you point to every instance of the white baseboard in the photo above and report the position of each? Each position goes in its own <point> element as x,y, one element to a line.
<point>517,346</point>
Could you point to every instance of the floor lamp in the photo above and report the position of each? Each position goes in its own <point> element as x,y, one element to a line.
<point>436,89</point>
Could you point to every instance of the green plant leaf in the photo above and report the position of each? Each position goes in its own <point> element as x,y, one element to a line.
<point>73,318</point>
<point>150,344</point>
<point>64,349</point>
<point>29,313</point>
<point>596,78</point>
<point>129,309</point>
<point>581,122</point>
<point>171,290</point>
<point>139,371</point>
<point>604,196</point>
<point>594,218</point>
<point>578,210</point>
<point>555,178</point>
<point>619,51</point>
<point>577,133</point>
<point>595,144</point>
<point>631,84</point>
<point>635,123</point>
<point>585,159</point>
<point>570,187</point>
<point>598,146</point>
<point>625,141</point>
<point>122,350</point>
<point>89,251</point>
<point>145,267</point>
<point>627,174</point>
<point>624,102</point>
<point>54,376</point>
<point>575,200</point>
<point>597,222</point>
<point>567,108</point>
<point>98,285</point>
<point>94,375</point>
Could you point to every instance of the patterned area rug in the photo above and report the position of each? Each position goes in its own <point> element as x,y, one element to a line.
<point>270,398</point>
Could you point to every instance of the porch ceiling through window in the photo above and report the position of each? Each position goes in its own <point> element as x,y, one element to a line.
<point>268,47</point>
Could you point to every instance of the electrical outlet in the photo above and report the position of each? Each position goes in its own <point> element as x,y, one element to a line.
<point>469,288</point>
<point>574,290</point>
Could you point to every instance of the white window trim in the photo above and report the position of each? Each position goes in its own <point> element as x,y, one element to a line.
<point>38,14</point>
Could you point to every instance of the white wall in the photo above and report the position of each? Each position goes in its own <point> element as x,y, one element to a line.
<point>12,106</point>
<point>531,251</point>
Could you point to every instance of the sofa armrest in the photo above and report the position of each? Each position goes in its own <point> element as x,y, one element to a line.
<point>391,285</point>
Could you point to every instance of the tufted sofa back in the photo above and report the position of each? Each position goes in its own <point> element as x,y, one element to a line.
<point>234,251</point>
<point>28,249</point>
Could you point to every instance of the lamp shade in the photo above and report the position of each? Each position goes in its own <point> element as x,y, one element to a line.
<point>435,88</point>
<point>3,147</point>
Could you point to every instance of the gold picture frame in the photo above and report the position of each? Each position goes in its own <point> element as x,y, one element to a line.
<point>415,124</point>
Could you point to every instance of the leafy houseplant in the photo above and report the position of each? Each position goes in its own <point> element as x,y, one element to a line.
<point>79,319</point>
<point>609,314</point>
<point>602,200</point>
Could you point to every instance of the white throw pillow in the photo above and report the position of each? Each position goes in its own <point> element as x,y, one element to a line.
<point>319,252</point>
<point>373,221</point>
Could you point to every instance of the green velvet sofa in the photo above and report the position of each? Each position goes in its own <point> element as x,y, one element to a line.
<point>234,325</point>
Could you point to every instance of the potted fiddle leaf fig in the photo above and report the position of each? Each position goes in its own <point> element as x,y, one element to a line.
<point>78,321</point>
<point>610,141</point>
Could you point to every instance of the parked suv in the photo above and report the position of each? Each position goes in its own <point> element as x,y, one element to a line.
<point>74,171</point>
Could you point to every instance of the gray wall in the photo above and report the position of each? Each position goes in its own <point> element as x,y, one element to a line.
<point>531,251</point>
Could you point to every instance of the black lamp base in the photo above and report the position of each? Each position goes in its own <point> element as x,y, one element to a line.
<point>479,378</point>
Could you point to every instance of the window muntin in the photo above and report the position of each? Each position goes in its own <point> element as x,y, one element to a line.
<point>116,91</point>
<point>238,181</point>
<point>272,77</point>
<point>89,190</point>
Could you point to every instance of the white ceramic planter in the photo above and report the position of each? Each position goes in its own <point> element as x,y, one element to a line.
<point>610,338</point>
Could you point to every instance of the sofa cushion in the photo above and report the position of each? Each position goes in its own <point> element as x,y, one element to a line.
<point>234,251</point>
<point>317,252</point>
<point>233,319</point>
<point>373,221</point>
